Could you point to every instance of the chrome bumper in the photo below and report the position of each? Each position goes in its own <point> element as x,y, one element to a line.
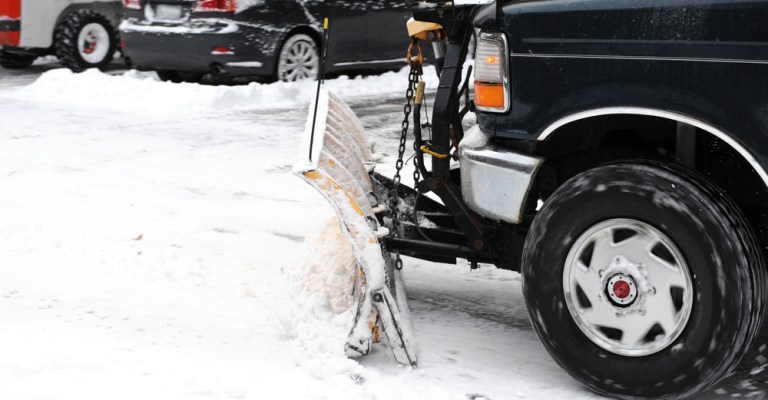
<point>495,181</point>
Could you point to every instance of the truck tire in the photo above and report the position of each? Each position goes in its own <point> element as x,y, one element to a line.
<point>16,61</point>
<point>643,280</point>
<point>85,39</point>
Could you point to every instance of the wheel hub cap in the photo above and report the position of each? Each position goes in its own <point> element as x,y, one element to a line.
<point>93,43</point>
<point>622,290</point>
<point>627,287</point>
<point>299,61</point>
<point>90,45</point>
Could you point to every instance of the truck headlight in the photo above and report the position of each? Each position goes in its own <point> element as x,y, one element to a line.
<point>491,73</point>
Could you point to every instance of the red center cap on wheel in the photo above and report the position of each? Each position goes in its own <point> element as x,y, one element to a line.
<point>621,289</point>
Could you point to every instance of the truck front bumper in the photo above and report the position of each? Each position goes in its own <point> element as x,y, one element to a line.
<point>495,182</point>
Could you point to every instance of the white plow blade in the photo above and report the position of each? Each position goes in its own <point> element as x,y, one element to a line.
<point>338,166</point>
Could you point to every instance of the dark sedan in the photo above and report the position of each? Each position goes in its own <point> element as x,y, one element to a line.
<point>277,39</point>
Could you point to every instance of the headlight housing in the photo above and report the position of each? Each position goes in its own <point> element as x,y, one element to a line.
<point>492,73</point>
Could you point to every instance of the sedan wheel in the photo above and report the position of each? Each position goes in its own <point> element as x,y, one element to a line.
<point>299,59</point>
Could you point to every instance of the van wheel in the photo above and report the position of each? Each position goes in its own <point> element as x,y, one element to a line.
<point>643,280</point>
<point>85,39</point>
<point>299,59</point>
<point>16,61</point>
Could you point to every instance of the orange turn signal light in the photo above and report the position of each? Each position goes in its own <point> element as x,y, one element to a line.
<point>490,95</point>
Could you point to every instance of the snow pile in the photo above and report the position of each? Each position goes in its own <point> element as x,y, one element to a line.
<point>152,249</point>
<point>475,138</point>
<point>319,311</point>
<point>142,92</point>
<point>321,303</point>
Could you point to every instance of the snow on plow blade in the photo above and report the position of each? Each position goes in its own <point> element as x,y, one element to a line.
<point>336,160</point>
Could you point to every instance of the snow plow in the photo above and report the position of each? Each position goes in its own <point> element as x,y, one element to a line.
<point>335,159</point>
<point>621,202</point>
<point>381,219</point>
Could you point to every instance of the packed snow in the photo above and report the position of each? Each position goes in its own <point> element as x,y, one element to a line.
<point>243,5</point>
<point>155,245</point>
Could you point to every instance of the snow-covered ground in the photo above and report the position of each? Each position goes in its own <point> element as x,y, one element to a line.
<point>154,245</point>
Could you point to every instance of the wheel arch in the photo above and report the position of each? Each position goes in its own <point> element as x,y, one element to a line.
<point>301,29</point>
<point>585,136</point>
<point>552,131</point>
<point>309,31</point>
<point>40,18</point>
<point>107,9</point>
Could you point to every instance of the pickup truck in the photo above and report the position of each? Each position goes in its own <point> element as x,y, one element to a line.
<point>81,33</point>
<point>626,143</point>
<point>619,161</point>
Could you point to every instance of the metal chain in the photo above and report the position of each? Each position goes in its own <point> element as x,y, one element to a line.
<point>413,79</point>
<point>416,171</point>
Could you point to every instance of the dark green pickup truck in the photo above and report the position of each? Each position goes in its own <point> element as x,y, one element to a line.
<point>620,162</point>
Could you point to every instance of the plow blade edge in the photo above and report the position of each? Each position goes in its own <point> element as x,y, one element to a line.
<point>335,159</point>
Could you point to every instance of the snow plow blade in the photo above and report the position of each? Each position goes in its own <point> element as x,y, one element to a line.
<point>335,159</point>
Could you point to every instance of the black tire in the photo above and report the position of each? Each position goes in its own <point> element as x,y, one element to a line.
<point>16,61</point>
<point>179,76</point>
<point>96,51</point>
<point>722,256</point>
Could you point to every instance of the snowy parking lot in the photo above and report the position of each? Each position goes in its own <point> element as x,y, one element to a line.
<point>155,245</point>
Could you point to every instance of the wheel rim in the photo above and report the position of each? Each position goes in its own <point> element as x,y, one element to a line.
<point>627,287</point>
<point>298,61</point>
<point>93,43</point>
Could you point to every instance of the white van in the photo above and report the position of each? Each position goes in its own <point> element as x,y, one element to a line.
<point>81,33</point>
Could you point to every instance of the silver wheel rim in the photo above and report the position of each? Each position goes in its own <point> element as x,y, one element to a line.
<point>298,60</point>
<point>93,43</point>
<point>627,287</point>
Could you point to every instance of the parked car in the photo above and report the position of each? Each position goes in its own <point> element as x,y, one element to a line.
<point>81,33</point>
<point>277,39</point>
